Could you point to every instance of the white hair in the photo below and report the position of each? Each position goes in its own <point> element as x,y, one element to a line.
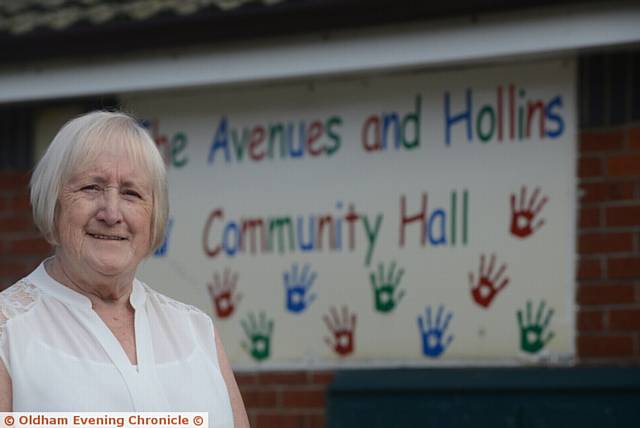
<point>78,143</point>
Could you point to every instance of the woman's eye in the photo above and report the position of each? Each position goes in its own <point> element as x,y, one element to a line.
<point>133,193</point>
<point>91,188</point>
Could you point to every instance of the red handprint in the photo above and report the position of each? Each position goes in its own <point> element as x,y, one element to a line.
<point>222,293</point>
<point>522,217</point>
<point>486,290</point>
<point>342,330</point>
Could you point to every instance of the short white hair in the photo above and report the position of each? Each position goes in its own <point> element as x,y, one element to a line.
<point>79,142</point>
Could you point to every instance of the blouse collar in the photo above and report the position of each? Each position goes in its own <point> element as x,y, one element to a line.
<point>41,279</point>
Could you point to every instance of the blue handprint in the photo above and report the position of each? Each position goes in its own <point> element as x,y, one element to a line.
<point>162,250</point>
<point>297,287</point>
<point>432,336</point>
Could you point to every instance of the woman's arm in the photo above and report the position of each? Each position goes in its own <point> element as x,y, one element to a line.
<point>240,418</point>
<point>6,394</point>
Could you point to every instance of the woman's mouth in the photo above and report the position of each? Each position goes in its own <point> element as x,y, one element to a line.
<point>107,237</point>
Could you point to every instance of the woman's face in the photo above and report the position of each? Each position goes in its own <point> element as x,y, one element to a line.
<point>104,216</point>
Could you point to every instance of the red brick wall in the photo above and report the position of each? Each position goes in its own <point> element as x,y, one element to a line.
<point>608,278</point>
<point>285,399</point>
<point>21,248</point>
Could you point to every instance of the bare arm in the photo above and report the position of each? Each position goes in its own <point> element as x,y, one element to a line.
<point>240,418</point>
<point>6,395</point>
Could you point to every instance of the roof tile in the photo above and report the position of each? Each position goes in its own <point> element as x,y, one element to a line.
<point>18,17</point>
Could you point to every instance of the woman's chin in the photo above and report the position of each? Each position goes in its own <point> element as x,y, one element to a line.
<point>111,265</point>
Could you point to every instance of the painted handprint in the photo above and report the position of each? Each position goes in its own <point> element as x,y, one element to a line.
<point>488,285</point>
<point>297,288</point>
<point>343,331</point>
<point>523,215</point>
<point>222,293</point>
<point>384,288</point>
<point>531,333</point>
<point>259,334</point>
<point>433,332</point>
<point>162,249</point>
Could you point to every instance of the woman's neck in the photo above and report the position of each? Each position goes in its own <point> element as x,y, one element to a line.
<point>102,291</point>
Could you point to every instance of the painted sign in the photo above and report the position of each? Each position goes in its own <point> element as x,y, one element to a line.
<point>408,219</point>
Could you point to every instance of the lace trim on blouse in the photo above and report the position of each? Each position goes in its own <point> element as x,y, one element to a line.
<point>166,300</point>
<point>16,300</point>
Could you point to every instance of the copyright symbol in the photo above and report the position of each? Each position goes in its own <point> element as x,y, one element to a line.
<point>198,420</point>
<point>9,420</point>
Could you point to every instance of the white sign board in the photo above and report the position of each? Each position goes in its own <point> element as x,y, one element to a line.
<point>395,220</point>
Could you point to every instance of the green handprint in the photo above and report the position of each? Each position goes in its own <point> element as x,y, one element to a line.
<point>531,340</point>
<point>260,336</point>
<point>384,289</point>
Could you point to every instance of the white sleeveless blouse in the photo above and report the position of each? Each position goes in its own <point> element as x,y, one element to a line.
<point>62,357</point>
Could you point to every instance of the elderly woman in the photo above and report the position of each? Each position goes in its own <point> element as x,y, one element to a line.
<point>81,333</point>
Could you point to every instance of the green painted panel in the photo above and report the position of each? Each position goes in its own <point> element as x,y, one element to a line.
<point>519,398</point>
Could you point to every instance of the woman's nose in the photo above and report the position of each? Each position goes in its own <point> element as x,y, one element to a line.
<point>109,211</point>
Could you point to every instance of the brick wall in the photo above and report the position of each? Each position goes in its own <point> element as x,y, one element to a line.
<point>608,247</point>
<point>285,399</point>
<point>21,248</point>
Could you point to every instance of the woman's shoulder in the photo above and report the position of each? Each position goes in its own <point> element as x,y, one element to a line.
<point>166,301</point>
<point>16,300</point>
<point>185,320</point>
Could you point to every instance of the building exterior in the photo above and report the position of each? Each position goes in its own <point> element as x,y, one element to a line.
<point>423,134</point>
